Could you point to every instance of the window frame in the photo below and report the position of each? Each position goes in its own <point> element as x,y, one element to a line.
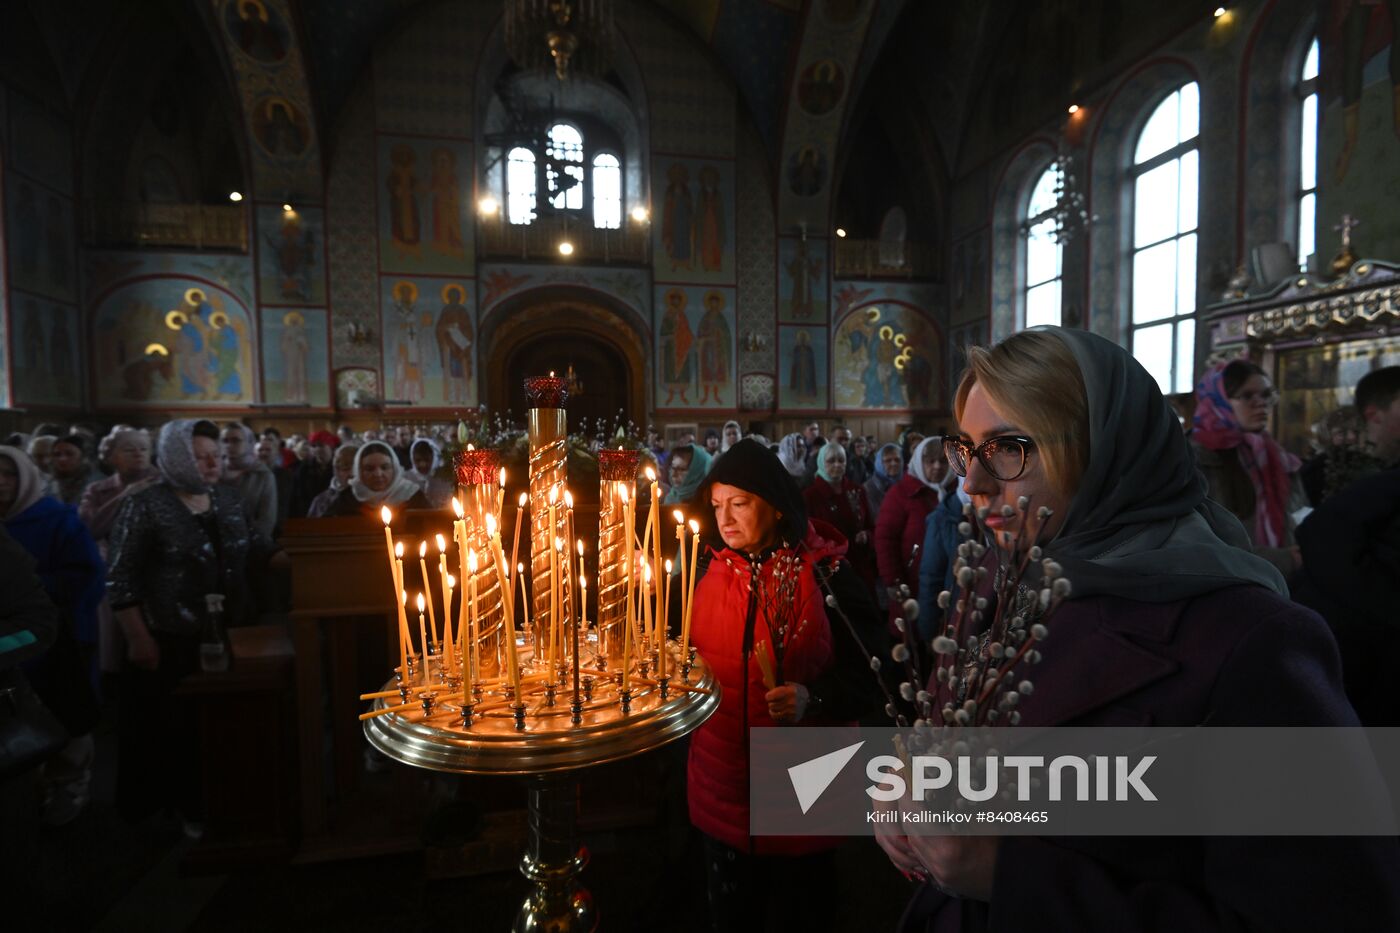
<point>591,206</point>
<point>1023,285</point>
<point>1305,88</point>
<point>1136,170</point>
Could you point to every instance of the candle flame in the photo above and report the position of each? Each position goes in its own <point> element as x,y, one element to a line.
<point>568,499</point>
<point>558,543</point>
<point>668,568</point>
<point>385,515</point>
<point>471,561</point>
<point>421,604</point>
<point>520,568</point>
<point>451,582</point>
<point>524,498</point>
<point>651,475</point>
<point>646,573</point>
<point>694,527</point>
<point>398,550</point>
<point>422,549</point>
<point>457,507</point>
<point>442,544</point>
<point>551,374</point>
<point>470,448</point>
<point>503,477</point>
<point>579,542</point>
<point>490,525</point>
<point>553,494</point>
<point>679,516</point>
<point>403,597</point>
<point>623,492</point>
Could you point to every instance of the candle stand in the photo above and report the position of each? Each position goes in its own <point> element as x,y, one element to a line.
<point>548,749</point>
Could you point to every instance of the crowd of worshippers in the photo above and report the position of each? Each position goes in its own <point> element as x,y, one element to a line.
<point>131,531</point>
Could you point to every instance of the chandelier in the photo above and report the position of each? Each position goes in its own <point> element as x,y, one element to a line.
<point>570,34</point>
<point>1069,216</point>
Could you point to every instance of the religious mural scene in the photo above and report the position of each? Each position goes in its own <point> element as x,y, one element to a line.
<point>776,393</point>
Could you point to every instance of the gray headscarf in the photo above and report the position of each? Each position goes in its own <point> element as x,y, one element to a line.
<point>175,456</point>
<point>1140,525</point>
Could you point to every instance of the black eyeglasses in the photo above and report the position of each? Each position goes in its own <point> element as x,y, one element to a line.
<point>1004,457</point>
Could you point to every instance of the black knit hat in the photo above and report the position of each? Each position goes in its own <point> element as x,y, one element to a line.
<point>750,466</point>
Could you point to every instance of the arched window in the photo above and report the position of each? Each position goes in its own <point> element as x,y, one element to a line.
<point>1044,253</point>
<point>520,185</point>
<point>1164,179</point>
<point>607,191</point>
<point>1307,158</point>
<point>563,180</point>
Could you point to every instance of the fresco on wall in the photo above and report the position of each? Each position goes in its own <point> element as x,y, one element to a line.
<point>1359,146</point>
<point>429,341</point>
<point>47,370</point>
<point>354,383</point>
<point>280,127</point>
<point>628,286</point>
<point>256,30</point>
<point>694,347</point>
<point>806,172</point>
<point>41,146</point>
<point>970,275</point>
<point>164,341</point>
<point>821,87</point>
<point>695,221</point>
<point>802,372</point>
<point>103,269</point>
<point>887,356</point>
<point>291,258</point>
<point>802,289</point>
<point>425,221</point>
<point>39,227</point>
<point>295,361</point>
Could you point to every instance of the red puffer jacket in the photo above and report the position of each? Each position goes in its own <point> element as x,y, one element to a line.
<point>718,772</point>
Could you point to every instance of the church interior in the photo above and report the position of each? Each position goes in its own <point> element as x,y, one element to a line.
<point>317,224</point>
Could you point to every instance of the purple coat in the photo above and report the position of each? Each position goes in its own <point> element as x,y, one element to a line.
<point>1239,656</point>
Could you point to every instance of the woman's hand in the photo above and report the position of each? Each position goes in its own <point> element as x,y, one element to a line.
<point>788,702</point>
<point>896,845</point>
<point>142,651</point>
<point>961,865</point>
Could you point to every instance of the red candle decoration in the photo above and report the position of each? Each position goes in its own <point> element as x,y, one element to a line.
<point>546,392</point>
<point>477,467</point>
<point>618,466</point>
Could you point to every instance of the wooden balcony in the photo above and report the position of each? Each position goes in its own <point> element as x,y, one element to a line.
<point>498,239</point>
<point>185,226</point>
<point>871,259</point>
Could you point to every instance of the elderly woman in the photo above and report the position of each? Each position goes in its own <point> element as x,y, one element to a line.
<point>729,435</point>
<point>899,527</point>
<point>1246,469</point>
<point>819,678</point>
<point>840,501</point>
<point>71,472</point>
<point>174,544</point>
<point>70,567</point>
<point>342,471</point>
<point>377,480</point>
<point>686,469</point>
<point>41,452</point>
<point>1168,623</point>
<point>887,470</point>
<point>130,455</point>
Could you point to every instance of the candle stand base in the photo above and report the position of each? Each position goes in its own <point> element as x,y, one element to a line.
<point>557,902</point>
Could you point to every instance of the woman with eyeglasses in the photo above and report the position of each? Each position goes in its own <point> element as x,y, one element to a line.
<point>1169,623</point>
<point>1246,469</point>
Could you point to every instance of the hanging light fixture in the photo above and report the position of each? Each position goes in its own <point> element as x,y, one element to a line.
<point>572,35</point>
<point>1069,216</point>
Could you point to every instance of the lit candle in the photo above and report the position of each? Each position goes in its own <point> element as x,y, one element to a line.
<point>553,574</point>
<point>404,637</point>
<point>469,644</point>
<point>665,620</point>
<point>583,615</point>
<point>428,590</point>
<point>690,597</point>
<point>680,541</point>
<point>627,609</point>
<point>508,599</point>
<point>423,637</point>
<point>515,547</point>
<point>446,633</point>
<point>501,495</point>
<point>524,603</point>
<point>654,531</point>
<point>647,628</point>
<point>459,533</point>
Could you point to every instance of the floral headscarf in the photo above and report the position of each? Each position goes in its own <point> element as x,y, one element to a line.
<point>175,455</point>
<point>1215,427</point>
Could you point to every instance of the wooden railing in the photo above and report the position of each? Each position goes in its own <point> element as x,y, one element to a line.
<point>861,259</point>
<point>499,239</point>
<point>188,226</point>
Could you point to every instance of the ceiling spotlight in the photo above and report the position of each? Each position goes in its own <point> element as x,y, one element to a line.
<point>566,248</point>
<point>841,232</point>
<point>1073,108</point>
<point>487,206</point>
<point>286,208</point>
<point>1219,12</point>
<point>235,196</point>
<point>640,215</point>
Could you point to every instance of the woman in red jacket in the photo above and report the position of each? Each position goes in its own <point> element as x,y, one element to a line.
<point>899,530</point>
<point>818,675</point>
<point>839,500</point>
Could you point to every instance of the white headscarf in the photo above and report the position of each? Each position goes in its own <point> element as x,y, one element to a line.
<point>422,479</point>
<point>401,488</point>
<point>916,464</point>
<point>792,452</point>
<point>724,444</point>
